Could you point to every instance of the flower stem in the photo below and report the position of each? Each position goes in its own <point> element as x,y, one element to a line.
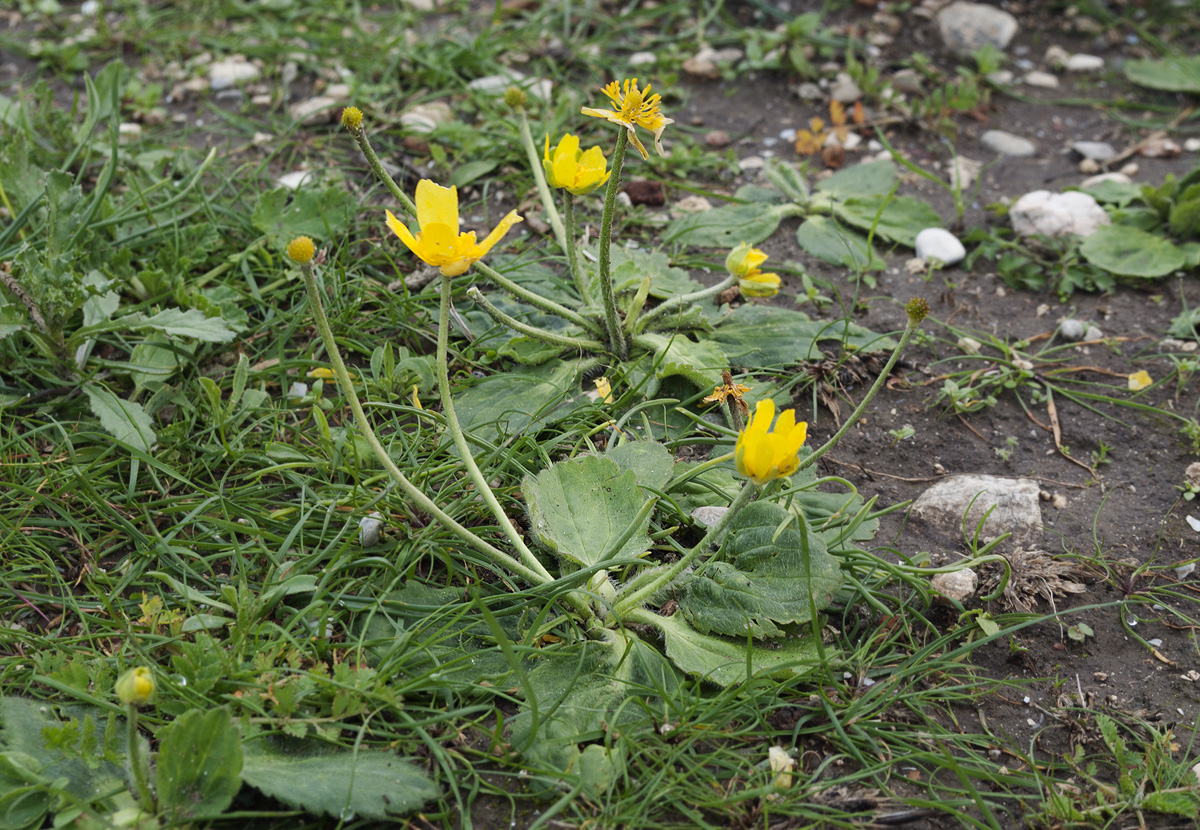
<point>139,767</point>
<point>683,299</point>
<point>539,177</point>
<point>415,495</point>
<point>577,274</point>
<point>857,413</point>
<point>616,337</point>
<point>537,301</point>
<point>714,534</point>
<point>364,144</point>
<point>460,440</point>
<point>545,336</point>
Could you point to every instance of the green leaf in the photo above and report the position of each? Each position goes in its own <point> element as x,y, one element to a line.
<point>124,420</point>
<point>701,363</point>
<point>1184,219</point>
<point>1131,252</point>
<point>787,179</point>
<point>829,242</point>
<point>199,765</point>
<point>153,361</point>
<point>1114,193</point>
<point>179,323</point>
<point>650,461</point>
<point>725,227</point>
<point>873,178</point>
<point>724,661</point>
<point>629,265</point>
<point>899,219</point>
<point>760,337</point>
<point>469,172</point>
<point>768,577</point>
<point>322,214</point>
<point>1176,74</point>
<point>24,796</point>
<point>517,402</point>
<point>582,507</point>
<point>1173,803</point>
<point>365,784</point>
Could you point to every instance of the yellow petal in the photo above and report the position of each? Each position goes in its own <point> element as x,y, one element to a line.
<point>633,139</point>
<point>564,161</point>
<point>1139,381</point>
<point>477,251</point>
<point>437,204</point>
<point>439,244</point>
<point>401,230</point>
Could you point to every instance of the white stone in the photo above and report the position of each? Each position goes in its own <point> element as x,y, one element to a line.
<point>90,8</point>
<point>1084,63</point>
<point>262,139</point>
<point>966,27</point>
<point>1057,214</point>
<point>956,585</point>
<point>939,244</point>
<point>1193,523</point>
<point>1001,77</point>
<point>1016,506</point>
<point>964,172</point>
<point>129,131</point>
<point>752,163</point>
<point>808,91</point>
<point>425,118</point>
<point>1191,475</point>
<point>298,389</point>
<point>294,179</point>
<point>1071,330</point>
<point>969,345</point>
<point>642,59</point>
<point>1056,56</point>
<point>1192,144</point>
<point>227,73</point>
<point>1041,79</point>
<point>709,515</point>
<point>1007,144</point>
<point>318,110</point>
<point>1095,150</point>
<point>370,530</point>
<point>1092,181</point>
<point>1184,571</point>
<point>844,89</point>
<point>690,204</point>
<point>1093,333</point>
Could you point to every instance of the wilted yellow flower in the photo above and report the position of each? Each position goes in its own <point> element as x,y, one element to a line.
<point>135,686</point>
<point>1139,381</point>
<point>416,400</point>
<point>577,171</point>
<point>439,242</point>
<point>762,454</point>
<point>743,262</point>
<point>604,390</point>
<point>325,373</point>
<point>781,764</point>
<point>728,390</point>
<point>301,250</point>
<point>634,107</point>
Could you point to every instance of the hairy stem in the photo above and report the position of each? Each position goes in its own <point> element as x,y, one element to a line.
<point>545,336</point>
<point>616,337</point>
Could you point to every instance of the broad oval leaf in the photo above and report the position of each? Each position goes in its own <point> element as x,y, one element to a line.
<point>725,227</point>
<point>124,420</point>
<point>199,765</point>
<point>1132,252</point>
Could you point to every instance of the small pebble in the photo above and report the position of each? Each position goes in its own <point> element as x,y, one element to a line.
<point>370,530</point>
<point>1072,330</point>
<point>717,139</point>
<point>1084,63</point>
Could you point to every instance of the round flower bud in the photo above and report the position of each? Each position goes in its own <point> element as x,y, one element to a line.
<point>514,97</point>
<point>136,686</point>
<point>301,250</point>
<point>352,118</point>
<point>918,310</point>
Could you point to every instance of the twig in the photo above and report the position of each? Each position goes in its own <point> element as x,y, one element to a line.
<point>10,282</point>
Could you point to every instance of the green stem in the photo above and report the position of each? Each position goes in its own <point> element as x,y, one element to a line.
<point>138,765</point>
<point>699,469</point>
<point>577,274</point>
<point>460,440</point>
<point>539,177</point>
<point>364,144</point>
<point>616,337</point>
<point>537,301</point>
<point>858,411</point>
<point>533,331</point>
<point>418,498</point>
<point>626,603</point>
<point>685,299</point>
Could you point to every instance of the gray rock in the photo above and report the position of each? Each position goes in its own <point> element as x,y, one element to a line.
<point>939,244</point>
<point>1094,150</point>
<point>1015,500</point>
<point>966,27</point>
<point>1057,214</point>
<point>425,118</point>
<point>709,515</point>
<point>808,91</point>
<point>1007,144</point>
<point>227,73</point>
<point>1071,330</point>
<point>643,59</point>
<point>1041,79</point>
<point>1084,63</point>
<point>956,585</point>
<point>907,80</point>
<point>1001,77</point>
<point>844,90</point>
<point>1093,333</point>
<point>318,110</point>
<point>370,530</point>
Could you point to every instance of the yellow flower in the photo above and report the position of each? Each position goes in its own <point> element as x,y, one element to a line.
<point>577,171</point>
<point>301,250</point>
<point>439,242</point>
<point>762,454</point>
<point>136,686</point>
<point>352,118</point>
<point>634,107</point>
<point>728,390</point>
<point>603,390</point>
<point>743,262</point>
<point>1139,381</point>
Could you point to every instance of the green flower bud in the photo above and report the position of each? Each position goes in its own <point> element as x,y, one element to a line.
<point>917,309</point>
<point>136,686</point>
